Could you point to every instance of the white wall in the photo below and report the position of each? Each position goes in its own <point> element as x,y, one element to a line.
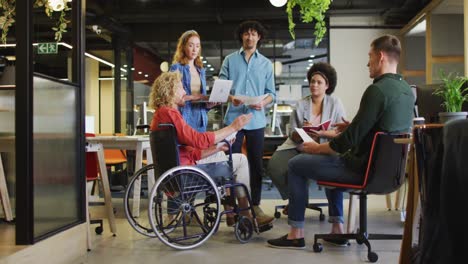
<point>92,91</point>
<point>107,106</point>
<point>349,49</point>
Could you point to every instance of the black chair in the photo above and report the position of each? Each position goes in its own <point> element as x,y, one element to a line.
<point>443,178</point>
<point>385,173</point>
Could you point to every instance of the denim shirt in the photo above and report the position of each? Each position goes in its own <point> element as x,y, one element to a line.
<point>253,78</point>
<point>194,114</point>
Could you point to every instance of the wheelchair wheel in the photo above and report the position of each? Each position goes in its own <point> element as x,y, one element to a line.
<point>140,224</point>
<point>184,207</point>
<point>243,229</point>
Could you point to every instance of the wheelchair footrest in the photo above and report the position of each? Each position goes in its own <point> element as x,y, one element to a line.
<point>265,228</point>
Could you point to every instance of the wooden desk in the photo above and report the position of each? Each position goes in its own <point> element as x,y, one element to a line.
<point>137,143</point>
<point>7,144</point>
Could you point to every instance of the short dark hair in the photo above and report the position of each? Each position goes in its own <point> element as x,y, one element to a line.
<point>388,44</point>
<point>325,70</point>
<point>251,24</point>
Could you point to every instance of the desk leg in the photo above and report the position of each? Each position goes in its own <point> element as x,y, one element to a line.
<point>350,229</point>
<point>388,198</point>
<point>106,187</point>
<point>137,184</point>
<point>4,193</point>
<point>88,221</point>
<point>151,181</point>
<point>411,206</point>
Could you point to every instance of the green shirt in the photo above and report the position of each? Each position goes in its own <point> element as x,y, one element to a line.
<point>387,105</point>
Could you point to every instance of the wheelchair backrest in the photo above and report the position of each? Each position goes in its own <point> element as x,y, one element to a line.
<point>164,147</point>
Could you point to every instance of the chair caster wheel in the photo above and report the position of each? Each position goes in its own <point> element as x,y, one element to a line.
<point>317,247</point>
<point>372,257</point>
<point>277,214</point>
<point>322,217</point>
<point>99,230</point>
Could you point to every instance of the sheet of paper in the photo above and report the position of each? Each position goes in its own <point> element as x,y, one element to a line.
<point>305,137</point>
<point>249,100</point>
<point>220,91</point>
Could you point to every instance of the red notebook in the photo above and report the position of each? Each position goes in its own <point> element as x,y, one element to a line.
<point>322,126</point>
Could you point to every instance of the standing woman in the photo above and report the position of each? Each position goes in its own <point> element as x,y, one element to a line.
<point>188,62</point>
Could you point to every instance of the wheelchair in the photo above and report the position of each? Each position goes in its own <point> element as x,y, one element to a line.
<point>185,204</point>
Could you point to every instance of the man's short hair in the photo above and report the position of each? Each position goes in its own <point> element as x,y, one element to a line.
<point>388,44</point>
<point>254,25</point>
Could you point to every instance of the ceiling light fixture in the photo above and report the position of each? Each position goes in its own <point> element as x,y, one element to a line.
<point>164,66</point>
<point>278,3</point>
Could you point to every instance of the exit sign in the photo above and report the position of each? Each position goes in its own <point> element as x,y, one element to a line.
<point>47,48</point>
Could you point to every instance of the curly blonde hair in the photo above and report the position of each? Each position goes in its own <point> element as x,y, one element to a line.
<point>163,91</point>
<point>179,56</point>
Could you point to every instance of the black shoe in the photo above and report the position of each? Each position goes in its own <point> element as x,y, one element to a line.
<point>340,242</point>
<point>284,242</point>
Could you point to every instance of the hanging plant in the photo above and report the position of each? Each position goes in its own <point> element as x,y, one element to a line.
<point>7,18</point>
<point>311,11</point>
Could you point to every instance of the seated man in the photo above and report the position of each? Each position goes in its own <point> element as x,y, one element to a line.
<point>386,105</point>
<point>166,95</point>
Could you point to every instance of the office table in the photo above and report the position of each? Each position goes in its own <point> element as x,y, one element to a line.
<point>137,143</point>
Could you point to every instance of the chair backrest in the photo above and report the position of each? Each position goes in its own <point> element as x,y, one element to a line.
<point>91,163</point>
<point>387,164</point>
<point>164,147</point>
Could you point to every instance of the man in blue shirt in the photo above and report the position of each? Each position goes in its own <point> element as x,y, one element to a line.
<point>252,75</point>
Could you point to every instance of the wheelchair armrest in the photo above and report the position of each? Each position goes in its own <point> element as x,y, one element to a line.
<point>229,149</point>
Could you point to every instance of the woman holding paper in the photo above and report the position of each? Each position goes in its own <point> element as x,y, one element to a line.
<point>167,94</point>
<point>313,110</point>
<point>187,61</point>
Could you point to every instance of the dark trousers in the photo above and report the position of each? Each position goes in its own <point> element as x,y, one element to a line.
<point>254,142</point>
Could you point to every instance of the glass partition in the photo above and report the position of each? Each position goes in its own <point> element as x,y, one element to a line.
<point>56,155</point>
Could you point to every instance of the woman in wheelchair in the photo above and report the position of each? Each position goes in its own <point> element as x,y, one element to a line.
<point>200,148</point>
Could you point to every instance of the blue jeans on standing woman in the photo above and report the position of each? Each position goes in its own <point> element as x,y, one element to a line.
<point>317,167</point>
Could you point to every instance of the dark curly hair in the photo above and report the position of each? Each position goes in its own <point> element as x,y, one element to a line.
<point>327,71</point>
<point>251,24</point>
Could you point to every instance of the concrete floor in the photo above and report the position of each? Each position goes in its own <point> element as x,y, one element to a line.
<point>130,247</point>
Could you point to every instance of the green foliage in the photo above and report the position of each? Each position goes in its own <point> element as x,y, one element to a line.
<point>7,18</point>
<point>311,11</point>
<point>452,92</point>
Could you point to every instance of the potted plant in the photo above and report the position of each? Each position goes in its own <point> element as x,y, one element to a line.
<point>310,11</point>
<point>8,14</point>
<point>454,94</point>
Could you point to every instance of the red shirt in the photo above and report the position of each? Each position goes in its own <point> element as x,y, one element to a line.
<point>192,140</point>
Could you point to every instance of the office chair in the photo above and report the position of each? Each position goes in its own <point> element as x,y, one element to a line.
<point>385,173</point>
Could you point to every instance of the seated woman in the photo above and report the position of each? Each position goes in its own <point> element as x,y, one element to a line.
<point>167,94</point>
<point>311,110</point>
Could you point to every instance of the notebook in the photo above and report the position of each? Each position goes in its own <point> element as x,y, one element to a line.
<point>322,126</point>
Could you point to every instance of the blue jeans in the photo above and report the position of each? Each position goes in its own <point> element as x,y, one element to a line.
<point>319,168</point>
<point>254,140</point>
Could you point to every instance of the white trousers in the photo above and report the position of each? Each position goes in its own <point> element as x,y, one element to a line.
<point>240,166</point>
